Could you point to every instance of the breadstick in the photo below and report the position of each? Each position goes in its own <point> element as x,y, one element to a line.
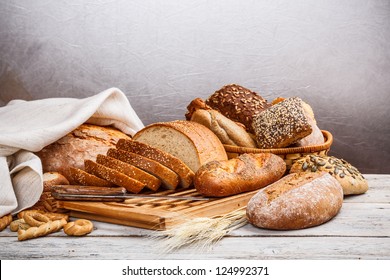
<point>5,221</point>
<point>42,230</point>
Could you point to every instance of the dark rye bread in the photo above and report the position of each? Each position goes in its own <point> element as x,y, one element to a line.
<point>113,176</point>
<point>186,175</point>
<point>151,181</point>
<point>281,125</point>
<point>238,104</point>
<point>78,176</point>
<point>169,178</point>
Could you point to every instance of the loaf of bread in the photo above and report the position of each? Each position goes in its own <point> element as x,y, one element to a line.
<point>228,131</point>
<point>151,182</point>
<point>348,176</point>
<point>81,177</point>
<point>247,172</point>
<point>117,178</point>
<point>169,179</point>
<point>281,125</point>
<point>84,143</point>
<point>186,175</point>
<point>192,143</point>
<point>296,201</point>
<point>238,104</point>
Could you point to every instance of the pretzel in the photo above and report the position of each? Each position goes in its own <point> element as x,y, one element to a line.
<point>35,218</point>
<point>5,221</point>
<point>78,228</point>
<point>18,224</point>
<point>42,230</point>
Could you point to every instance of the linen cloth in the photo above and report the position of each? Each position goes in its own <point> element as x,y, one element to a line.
<point>29,126</point>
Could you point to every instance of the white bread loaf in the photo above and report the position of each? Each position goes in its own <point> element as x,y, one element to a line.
<point>296,201</point>
<point>192,143</point>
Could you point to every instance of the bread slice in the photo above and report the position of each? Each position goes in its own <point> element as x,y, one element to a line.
<point>113,176</point>
<point>192,143</point>
<point>169,178</point>
<point>186,175</point>
<point>151,181</point>
<point>80,177</point>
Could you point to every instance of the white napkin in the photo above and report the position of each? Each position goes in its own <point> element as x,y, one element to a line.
<point>28,126</point>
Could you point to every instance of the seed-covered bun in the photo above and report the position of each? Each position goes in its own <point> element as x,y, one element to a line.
<point>349,177</point>
<point>238,104</point>
<point>296,201</point>
<point>282,124</point>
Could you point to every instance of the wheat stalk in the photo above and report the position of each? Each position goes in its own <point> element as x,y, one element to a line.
<point>200,233</point>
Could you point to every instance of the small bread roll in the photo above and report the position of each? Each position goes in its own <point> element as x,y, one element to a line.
<point>296,201</point>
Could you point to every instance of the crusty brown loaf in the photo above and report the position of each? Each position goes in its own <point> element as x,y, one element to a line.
<point>247,172</point>
<point>296,201</point>
<point>192,143</point>
<point>113,176</point>
<point>85,142</point>
<point>185,174</point>
<point>238,104</point>
<point>349,177</point>
<point>281,125</point>
<point>151,181</point>
<point>168,178</point>
<point>228,131</point>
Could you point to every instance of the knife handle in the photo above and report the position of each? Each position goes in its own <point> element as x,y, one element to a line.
<point>62,192</point>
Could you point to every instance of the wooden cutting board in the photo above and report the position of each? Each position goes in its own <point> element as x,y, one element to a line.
<point>157,214</point>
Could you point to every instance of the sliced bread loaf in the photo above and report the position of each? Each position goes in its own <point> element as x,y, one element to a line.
<point>169,178</point>
<point>113,176</point>
<point>191,142</point>
<point>151,181</point>
<point>186,175</point>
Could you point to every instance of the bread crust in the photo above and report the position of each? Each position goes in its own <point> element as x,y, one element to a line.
<point>247,172</point>
<point>296,201</point>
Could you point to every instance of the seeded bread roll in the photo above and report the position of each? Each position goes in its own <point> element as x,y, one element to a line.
<point>281,125</point>
<point>114,176</point>
<point>185,174</point>
<point>151,182</point>
<point>191,142</point>
<point>168,178</point>
<point>349,177</point>
<point>296,201</point>
<point>238,104</point>
<point>247,172</point>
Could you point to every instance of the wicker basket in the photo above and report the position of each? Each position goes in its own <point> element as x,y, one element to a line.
<point>288,154</point>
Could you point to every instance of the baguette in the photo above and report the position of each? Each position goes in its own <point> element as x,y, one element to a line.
<point>247,172</point>
<point>296,201</point>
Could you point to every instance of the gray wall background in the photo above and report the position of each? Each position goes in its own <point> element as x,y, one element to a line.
<point>333,54</point>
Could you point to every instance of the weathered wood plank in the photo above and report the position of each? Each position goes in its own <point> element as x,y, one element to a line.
<point>229,248</point>
<point>378,190</point>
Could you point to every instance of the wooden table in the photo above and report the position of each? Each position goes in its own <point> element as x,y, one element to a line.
<point>360,231</point>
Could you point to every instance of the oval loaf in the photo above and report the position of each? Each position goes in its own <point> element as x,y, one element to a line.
<point>247,172</point>
<point>296,201</point>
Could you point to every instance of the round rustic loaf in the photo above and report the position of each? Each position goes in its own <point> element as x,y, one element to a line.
<point>296,201</point>
<point>349,177</point>
<point>84,143</point>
